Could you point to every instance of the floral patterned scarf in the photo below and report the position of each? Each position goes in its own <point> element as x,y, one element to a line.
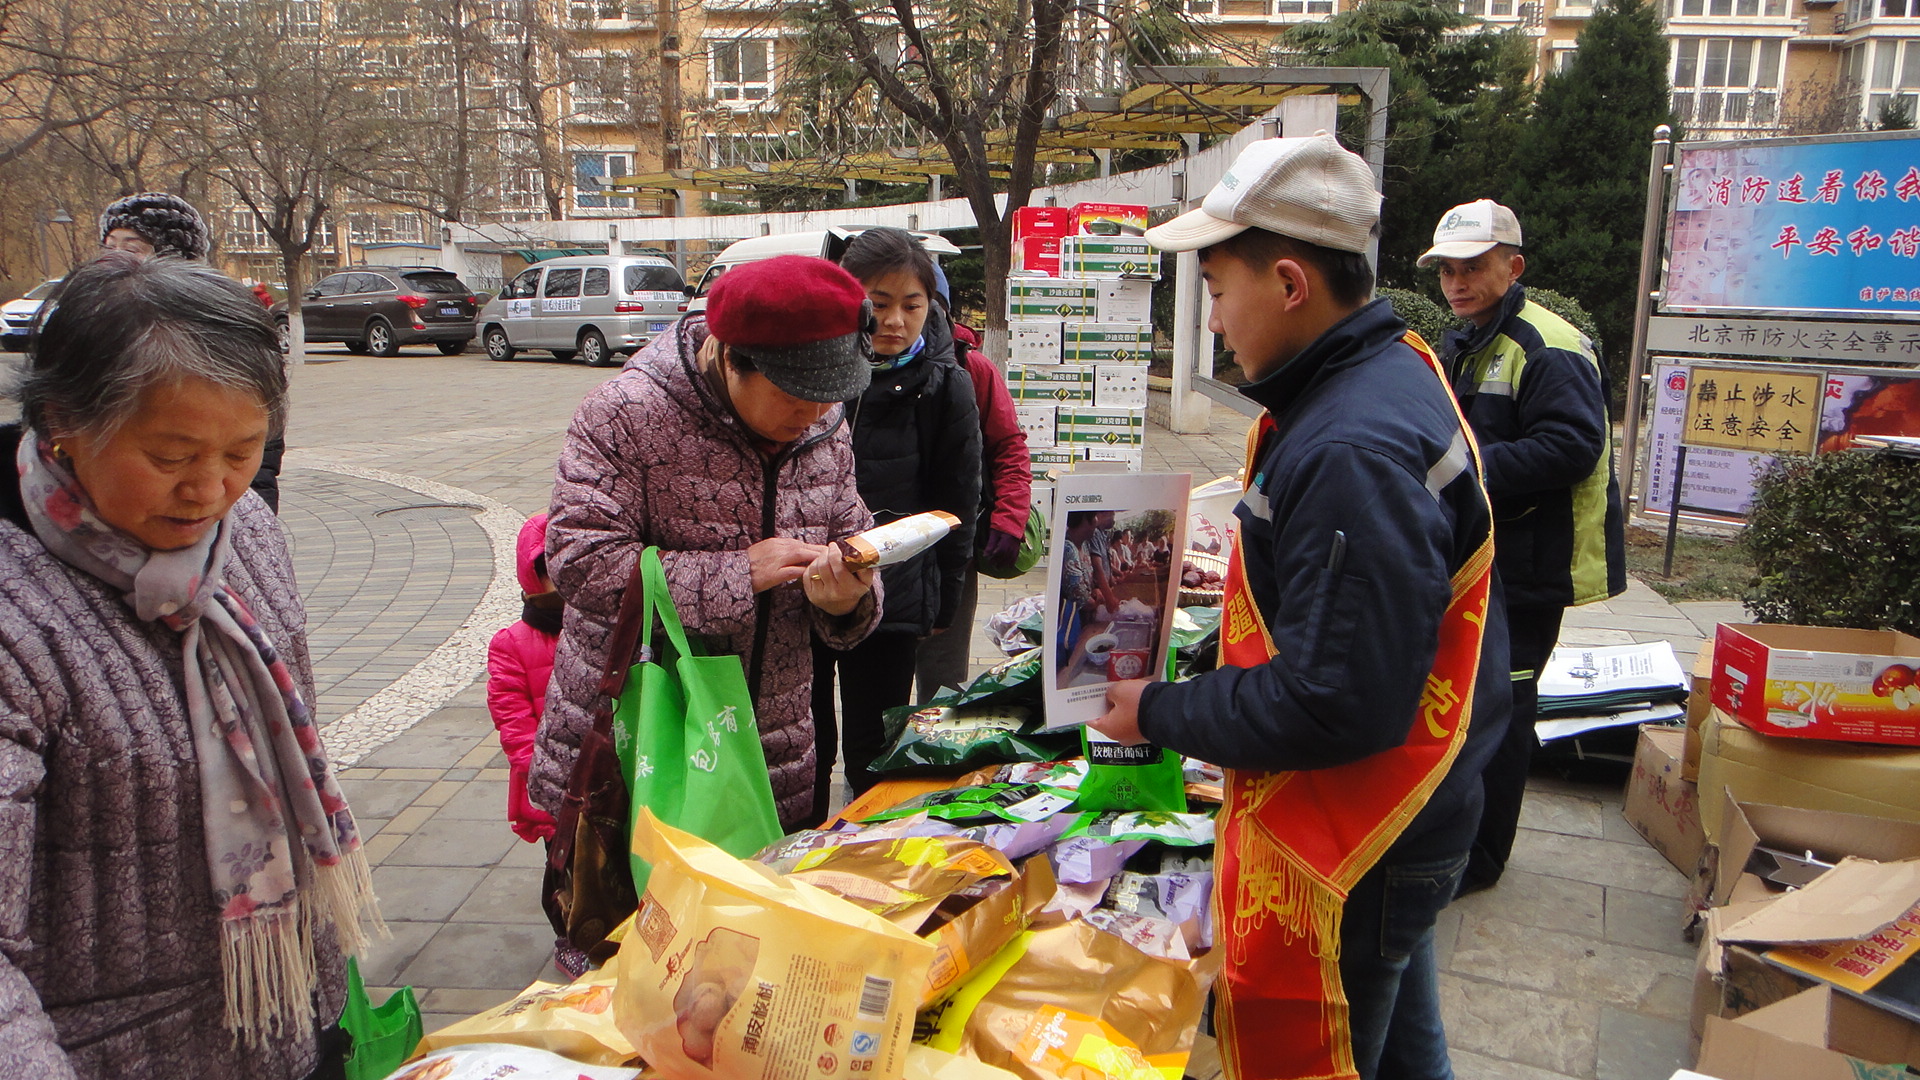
<point>282,847</point>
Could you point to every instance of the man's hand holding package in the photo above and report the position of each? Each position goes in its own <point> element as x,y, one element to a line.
<point>1122,721</point>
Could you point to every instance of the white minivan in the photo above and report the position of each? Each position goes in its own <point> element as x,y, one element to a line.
<point>596,307</point>
<point>828,244</point>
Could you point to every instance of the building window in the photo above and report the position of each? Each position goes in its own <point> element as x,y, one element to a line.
<point>1898,9</point>
<point>1739,9</point>
<point>589,168</point>
<point>1891,73</point>
<point>599,88</point>
<point>1562,56</point>
<point>1726,81</point>
<point>1311,7</point>
<point>1201,7</point>
<point>741,69</point>
<point>245,234</point>
<point>302,19</point>
<point>597,10</point>
<point>1485,9</point>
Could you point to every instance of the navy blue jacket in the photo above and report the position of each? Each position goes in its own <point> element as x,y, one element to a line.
<point>1361,510</point>
<point>1533,391</point>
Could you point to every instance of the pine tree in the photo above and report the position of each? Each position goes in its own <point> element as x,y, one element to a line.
<point>1458,95</point>
<point>1581,168</point>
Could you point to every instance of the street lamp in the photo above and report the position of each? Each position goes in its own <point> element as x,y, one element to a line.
<point>59,216</point>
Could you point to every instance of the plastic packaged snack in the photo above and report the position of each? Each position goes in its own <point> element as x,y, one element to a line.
<point>1180,830</point>
<point>972,926</point>
<point>574,1020</point>
<point>489,1061</point>
<point>731,970</point>
<point>945,737</point>
<point>1033,1009</point>
<point>903,880</point>
<point>983,804</point>
<point>896,541</point>
<point>1078,860</point>
<point>1122,777</point>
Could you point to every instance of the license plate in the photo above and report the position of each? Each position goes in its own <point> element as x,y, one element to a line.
<point>450,309</point>
<point>657,327</point>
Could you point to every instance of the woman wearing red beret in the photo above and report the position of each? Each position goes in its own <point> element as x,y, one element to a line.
<point>722,443</point>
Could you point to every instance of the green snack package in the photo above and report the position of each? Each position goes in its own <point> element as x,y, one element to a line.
<point>942,736</point>
<point>1179,830</point>
<point>988,802</point>
<point>1122,777</point>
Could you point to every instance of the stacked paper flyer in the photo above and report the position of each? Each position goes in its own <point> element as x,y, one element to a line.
<point>1587,688</point>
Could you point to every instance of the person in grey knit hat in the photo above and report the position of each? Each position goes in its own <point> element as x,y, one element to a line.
<point>155,223</point>
<point>159,223</point>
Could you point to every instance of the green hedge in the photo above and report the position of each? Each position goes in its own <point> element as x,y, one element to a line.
<point>1836,542</point>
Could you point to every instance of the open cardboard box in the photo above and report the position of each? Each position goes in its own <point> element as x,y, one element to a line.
<point>1732,976</point>
<point>1880,781</point>
<point>1817,1034</point>
<point>1699,703</point>
<point>1819,682</point>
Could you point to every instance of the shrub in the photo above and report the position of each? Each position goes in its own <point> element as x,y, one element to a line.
<point>1422,316</point>
<point>1836,542</point>
<point>1569,309</point>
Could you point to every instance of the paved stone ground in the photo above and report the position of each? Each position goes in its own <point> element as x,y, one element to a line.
<point>1572,967</point>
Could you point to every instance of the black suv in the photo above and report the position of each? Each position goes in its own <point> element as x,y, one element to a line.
<point>377,309</point>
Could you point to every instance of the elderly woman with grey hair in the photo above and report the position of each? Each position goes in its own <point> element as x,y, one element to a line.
<point>179,874</point>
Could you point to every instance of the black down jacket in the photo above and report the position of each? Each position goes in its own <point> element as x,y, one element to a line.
<point>916,447</point>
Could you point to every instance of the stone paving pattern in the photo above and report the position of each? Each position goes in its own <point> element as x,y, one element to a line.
<point>1572,967</point>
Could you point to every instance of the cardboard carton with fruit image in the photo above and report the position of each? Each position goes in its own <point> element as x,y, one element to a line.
<point>1817,682</point>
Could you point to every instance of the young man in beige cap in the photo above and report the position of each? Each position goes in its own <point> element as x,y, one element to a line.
<point>1535,394</point>
<point>1348,708</point>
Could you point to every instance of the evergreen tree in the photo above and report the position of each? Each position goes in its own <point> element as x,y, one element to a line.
<point>1457,100</point>
<point>1580,185</point>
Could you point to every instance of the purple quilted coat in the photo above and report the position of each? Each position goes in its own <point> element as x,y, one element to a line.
<point>109,941</point>
<point>654,456</point>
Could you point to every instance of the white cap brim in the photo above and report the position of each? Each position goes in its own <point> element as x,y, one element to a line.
<point>1459,249</point>
<point>1192,231</point>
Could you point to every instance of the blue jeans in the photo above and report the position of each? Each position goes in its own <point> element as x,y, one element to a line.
<point>1387,967</point>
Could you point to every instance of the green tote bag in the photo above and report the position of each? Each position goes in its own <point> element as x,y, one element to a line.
<point>685,733</point>
<point>383,1035</point>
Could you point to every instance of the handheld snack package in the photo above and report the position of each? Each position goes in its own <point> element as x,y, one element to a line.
<point>574,1021</point>
<point>903,880</point>
<point>896,541</point>
<point>731,970</point>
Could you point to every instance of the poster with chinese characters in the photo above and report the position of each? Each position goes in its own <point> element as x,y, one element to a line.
<point>1716,481</point>
<point>1803,226</point>
<point>1757,411</point>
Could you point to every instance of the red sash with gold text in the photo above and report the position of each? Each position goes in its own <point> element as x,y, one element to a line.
<point>1292,845</point>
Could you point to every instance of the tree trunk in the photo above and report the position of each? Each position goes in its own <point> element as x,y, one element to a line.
<point>293,266</point>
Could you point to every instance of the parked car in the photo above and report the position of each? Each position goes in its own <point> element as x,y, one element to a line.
<point>18,315</point>
<point>596,307</point>
<point>828,244</point>
<point>377,309</point>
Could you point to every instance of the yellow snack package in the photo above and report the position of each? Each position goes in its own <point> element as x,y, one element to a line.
<point>977,933</point>
<point>926,1063</point>
<point>1071,1002</point>
<point>901,880</point>
<point>574,1020</point>
<point>732,971</point>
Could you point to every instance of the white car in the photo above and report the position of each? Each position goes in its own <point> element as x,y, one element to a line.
<point>596,307</point>
<point>18,315</point>
<point>828,244</point>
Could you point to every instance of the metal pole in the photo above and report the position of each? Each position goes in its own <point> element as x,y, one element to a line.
<point>1673,507</point>
<point>40,220</point>
<point>1657,171</point>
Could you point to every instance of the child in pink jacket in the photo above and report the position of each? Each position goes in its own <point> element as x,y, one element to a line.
<point>519,663</point>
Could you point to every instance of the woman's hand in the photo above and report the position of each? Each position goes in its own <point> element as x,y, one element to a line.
<point>832,585</point>
<point>777,560</point>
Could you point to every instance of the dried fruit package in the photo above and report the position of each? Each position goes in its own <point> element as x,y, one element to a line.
<point>902,880</point>
<point>971,927</point>
<point>1072,1002</point>
<point>1137,777</point>
<point>733,971</point>
<point>574,1021</point>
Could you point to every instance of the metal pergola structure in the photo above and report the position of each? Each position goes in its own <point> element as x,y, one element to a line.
<point>1166,107</point>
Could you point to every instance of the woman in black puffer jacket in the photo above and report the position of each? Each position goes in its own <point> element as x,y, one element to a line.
<point>916,447</point>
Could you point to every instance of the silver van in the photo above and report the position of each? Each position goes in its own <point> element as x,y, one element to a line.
<point>596,307</point>
<point>828,244</point>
